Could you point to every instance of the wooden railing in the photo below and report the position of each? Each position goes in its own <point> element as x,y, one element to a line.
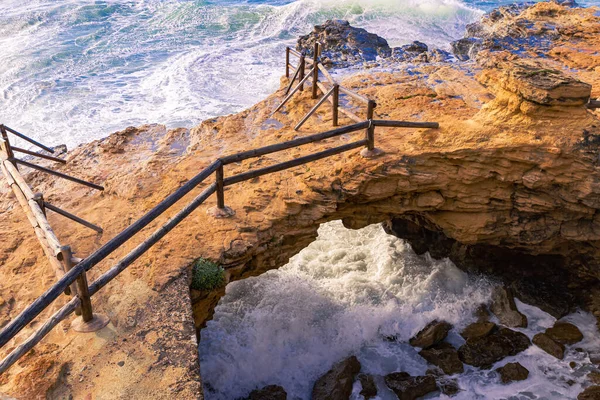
<point>593,104</point>
<point>75,271</point>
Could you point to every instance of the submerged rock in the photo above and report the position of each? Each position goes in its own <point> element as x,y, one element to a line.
<point>408,387</point>
<point>445,356</point>
<point>504,307</point>
<point>449,387</point>
<point>512,372</point>
<point>478,330</point>
<point>550,346</point>
<point>271,392</point>
<point>336,384</point>
<point>433,333</point>
<point>565,333</point>
<point>369,388</point>
<point>485,351</point>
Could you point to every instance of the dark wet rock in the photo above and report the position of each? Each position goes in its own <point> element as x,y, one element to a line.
<point>565,333</point>
<point>594,377</point>
<point>466,48</point>
<point>343,44</point>
<point>591,393</point>
<point>595,358</point>
<point>438,55</point>
<point>485,351</point>
<point>543,295</point>
<point>369,388</point>
<point>415,47</point>
<point>336,384</point>
<point>478,330</point>
<point>445,356</point>
<point>408,387</point>
<point>449,387</point>
<point>482,313</point>
<point>504,307</point>
<point>513,372</point>
<point>550,346</point>
<point>433,333</point>
<point>271,392</point>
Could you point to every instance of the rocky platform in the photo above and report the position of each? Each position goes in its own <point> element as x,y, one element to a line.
<point>513,171</point>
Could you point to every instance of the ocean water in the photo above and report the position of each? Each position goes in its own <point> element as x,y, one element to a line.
<point>343,295</point>
<point>76,70</point>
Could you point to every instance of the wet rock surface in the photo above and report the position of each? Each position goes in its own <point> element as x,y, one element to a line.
<point>477,330</point>
<point>337,383</point>
<point>485,351</point>
<point>271,392</point>
<point>504,307</point>
<point>433,333</point>
<point>512,372</point>
<point>564,333</point>
<point>444,356</point>
<point>591,393</point>
<point>369,388</point>
<point>408,387</point>
<point>550,346</point>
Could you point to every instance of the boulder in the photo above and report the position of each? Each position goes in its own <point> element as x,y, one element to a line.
<point>466,48</point>
<point>542,294</point>
<point>594,377</point>
<point>271,392</point>
<point>343,44</point>
<point>433,333</point>
<point>482,313</point>
<point>478,330</point>
<point>445,356</point>
<point>512,372</point>
<point>504,307</point>
<point>408,387</point>
<point>591,393</point>
<point>485,351</point>
<point>550,346</point>
<point>369,388</point>
<point>565,333</point>
<point>449,387</point>
<point>336,384</point>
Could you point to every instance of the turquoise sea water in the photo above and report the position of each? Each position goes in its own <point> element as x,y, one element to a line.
<point>76,70</point>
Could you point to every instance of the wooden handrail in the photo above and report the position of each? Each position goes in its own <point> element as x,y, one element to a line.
<point>77,268</point>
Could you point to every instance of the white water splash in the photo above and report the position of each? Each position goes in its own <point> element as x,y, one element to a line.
<point>344,294</point>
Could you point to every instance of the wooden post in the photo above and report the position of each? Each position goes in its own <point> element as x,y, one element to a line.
<point>371,129</point>
<point>9,150</point>
<point>302,67</point>
<point>315,70</point>
<point>220,189</point>
<point>66,256</point>
<point>336,104</point>
<point>221,210</point>
<point>39,199</point>
<point>89,321</point>
<point>287,62</point>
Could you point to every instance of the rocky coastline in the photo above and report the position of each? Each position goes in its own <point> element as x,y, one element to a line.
<point>508,187</point>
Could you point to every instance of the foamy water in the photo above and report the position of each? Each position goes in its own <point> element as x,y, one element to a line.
<point>343,295</point>
<point>77,70</point>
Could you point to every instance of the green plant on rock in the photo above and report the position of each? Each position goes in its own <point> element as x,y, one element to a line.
<point>207,275</point>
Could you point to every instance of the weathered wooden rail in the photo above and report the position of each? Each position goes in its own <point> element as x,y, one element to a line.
<point>72,277</point>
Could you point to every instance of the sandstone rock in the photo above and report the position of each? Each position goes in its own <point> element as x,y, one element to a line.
<point>504,307</point>
<point>407,387</point>
<point>271,392</point>
<point>550,346</point>
<point>565,333</point>
<point>343,44</point>
<point>445,356</point>
<point>512,372</point>
<point>591,393</point>
<point>369,388</point>
<point>485,351</point>
<point>477,330</point>
<point>336,384</point>
<point>433,333</point>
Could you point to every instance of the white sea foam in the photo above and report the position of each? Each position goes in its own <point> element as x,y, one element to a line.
<point>75,70</point>
<point>344,294</point>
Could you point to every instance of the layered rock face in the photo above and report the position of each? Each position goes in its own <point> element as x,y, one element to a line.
<point>509,183</point>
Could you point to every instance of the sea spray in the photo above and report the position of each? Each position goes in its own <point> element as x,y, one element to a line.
<point>363,292</point>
